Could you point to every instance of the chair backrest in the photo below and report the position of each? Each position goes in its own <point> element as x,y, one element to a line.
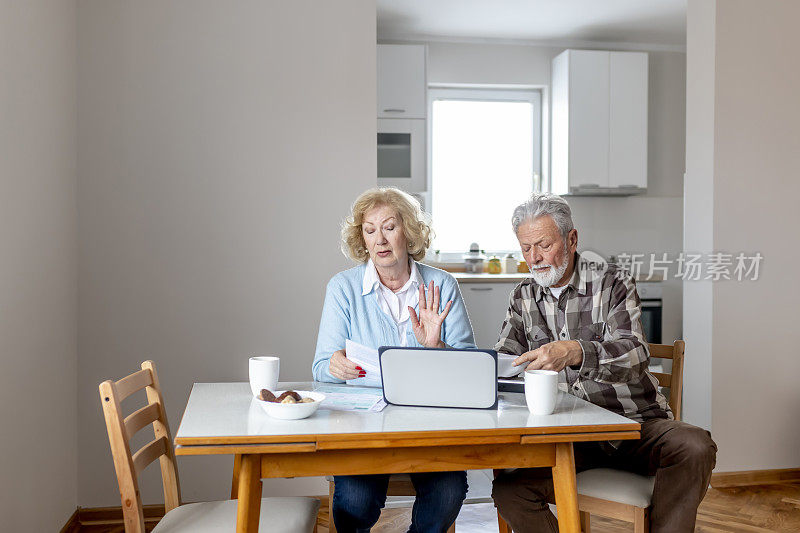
<point>674,381</point>
<point>120,430</point>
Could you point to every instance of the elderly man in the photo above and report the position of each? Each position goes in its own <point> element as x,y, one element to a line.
<point>586,325</point>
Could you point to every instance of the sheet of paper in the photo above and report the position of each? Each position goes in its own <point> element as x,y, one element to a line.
<point>348,398</point>
<point>504,367</point>
<point>379,405</point>
<point>366,358</point>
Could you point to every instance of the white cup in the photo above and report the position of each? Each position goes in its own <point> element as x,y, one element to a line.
<point>264,372</point>
<point>541,391</point>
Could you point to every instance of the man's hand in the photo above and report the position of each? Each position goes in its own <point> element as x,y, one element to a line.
<point>552,356</point>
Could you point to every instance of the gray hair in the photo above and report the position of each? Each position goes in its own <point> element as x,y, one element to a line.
<point>544,204</point>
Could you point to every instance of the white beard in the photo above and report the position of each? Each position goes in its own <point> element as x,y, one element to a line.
<point>553,274</point>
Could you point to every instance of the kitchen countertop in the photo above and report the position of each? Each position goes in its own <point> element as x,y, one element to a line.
<point>463,277</point>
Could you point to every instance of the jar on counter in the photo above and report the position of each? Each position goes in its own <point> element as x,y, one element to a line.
<point>510,264</point>
<point>495,267</point>
<point>522,267</point>
<point>473,259</point>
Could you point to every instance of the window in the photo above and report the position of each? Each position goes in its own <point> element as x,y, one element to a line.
<point>485,160</point>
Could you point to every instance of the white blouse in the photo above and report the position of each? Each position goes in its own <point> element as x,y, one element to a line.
<point>395,303</point>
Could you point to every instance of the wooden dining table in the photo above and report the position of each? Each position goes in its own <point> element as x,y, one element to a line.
<point>224,418</point>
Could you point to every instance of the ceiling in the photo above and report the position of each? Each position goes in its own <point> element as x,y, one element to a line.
<point>654,22</point>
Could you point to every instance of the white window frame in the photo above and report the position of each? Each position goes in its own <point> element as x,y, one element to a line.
<point>532,95</point>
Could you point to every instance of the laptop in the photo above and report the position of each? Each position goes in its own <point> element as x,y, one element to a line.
<point>439,377</point>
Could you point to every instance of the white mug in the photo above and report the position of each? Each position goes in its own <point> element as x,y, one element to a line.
<point>541,391</point>
<point>264,372</point>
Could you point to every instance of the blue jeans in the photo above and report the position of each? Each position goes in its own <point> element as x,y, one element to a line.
<point>358,500</point>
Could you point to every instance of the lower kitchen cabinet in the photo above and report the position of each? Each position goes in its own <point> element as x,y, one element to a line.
<point>487,304</point>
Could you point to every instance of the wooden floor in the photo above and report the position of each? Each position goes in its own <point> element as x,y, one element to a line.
<point>765,508</point>
<point>756,509</point>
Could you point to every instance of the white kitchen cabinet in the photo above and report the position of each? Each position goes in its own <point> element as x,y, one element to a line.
<point>401,81</point>
<point>627,99</point>
<point>487,304</point>
<point>599,122</point>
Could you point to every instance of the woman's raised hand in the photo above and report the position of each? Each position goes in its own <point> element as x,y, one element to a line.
<point>428,326</point>
<point>341,367</point>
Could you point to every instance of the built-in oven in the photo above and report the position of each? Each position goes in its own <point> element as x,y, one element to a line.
<point>401,154</point>
<point>650,295</point>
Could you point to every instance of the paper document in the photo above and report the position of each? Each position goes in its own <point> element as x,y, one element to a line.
<point>366,358</point>
<point>504,367</point>
<point>378,406</point>
<point>348,398</point>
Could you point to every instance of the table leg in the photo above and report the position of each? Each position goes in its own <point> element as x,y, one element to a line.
<point>566,489</point>
<point>249,508</point>
<point>237,466</point>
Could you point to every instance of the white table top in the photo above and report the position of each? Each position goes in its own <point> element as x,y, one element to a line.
<point>229,411</point>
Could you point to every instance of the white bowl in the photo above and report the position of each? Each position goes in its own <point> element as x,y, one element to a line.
<point>293,411</point>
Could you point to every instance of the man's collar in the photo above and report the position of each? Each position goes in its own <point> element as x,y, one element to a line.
<point>577,281</point>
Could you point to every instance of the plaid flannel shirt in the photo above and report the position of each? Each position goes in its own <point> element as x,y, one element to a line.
<point>603,315</point>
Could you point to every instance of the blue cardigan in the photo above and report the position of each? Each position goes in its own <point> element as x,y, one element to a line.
<point>347,314</point>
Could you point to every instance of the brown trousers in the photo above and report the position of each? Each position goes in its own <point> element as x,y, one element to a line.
<point>681,457</point>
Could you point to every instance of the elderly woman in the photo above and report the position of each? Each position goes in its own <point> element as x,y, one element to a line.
<point>390,299</point>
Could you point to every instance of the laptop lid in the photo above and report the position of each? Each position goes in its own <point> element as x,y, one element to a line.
<point>434,377</point>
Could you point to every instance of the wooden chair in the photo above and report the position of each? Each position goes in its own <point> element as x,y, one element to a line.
<point>277,514</point>
<point>624,495</point>
<point>399,485</point>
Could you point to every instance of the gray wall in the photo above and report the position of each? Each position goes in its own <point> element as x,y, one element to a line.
<point>643,224</point>
<point>752,150</point>
<point>220,145</point>
<point>699,208</point>
<point>38,265</point>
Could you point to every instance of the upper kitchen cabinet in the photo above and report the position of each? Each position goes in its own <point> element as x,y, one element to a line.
<point>401,81</point>
<point>599,122</point>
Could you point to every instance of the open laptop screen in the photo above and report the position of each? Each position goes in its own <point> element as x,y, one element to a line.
<point>434,377</point>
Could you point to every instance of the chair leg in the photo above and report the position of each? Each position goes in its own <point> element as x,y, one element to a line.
<point>331,525</point>
<point>641,520</point>
<point>585,525</point>
<point>502,526</point>
<point>452,528</point>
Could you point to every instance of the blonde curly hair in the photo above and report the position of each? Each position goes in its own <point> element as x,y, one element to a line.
<point>416,223</point>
